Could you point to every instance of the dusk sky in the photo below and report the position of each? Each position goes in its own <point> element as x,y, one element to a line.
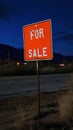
<point>14,14</point>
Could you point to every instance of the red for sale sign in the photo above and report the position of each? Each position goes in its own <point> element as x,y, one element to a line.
<point>38,41</point>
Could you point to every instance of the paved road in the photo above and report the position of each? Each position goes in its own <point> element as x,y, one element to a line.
<point>28,84</point>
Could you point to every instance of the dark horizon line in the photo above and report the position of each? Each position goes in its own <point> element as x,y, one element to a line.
<point>21,48</point>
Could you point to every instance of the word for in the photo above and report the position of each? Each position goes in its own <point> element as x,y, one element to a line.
<point>38,53</point>
<point>38,33</point>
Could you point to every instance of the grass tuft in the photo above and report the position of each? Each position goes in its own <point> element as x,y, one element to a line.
<point>66,107</point>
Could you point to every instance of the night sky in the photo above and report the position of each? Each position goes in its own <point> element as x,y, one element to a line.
<point>14,14</point>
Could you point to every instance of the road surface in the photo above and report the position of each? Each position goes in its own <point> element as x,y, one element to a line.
<point>28,84</point>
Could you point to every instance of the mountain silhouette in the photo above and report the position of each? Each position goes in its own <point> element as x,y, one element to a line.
<point>15,54</point>
<point>10,52</point>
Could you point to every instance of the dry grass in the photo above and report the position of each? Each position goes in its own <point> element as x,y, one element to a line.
<point>24,114</point>
<point>21,112</point>
<point>20,118</point>
<point>66,107</point>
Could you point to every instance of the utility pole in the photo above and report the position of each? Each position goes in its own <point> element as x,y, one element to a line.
<point>8,59</point>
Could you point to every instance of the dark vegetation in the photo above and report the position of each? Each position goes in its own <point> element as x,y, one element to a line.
<point>10,57</point>
<point>45,67</point>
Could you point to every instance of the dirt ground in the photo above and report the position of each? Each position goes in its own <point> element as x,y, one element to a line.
<point>21,112</point>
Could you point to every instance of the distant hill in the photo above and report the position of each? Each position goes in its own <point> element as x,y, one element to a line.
<point>17,54</point>
<point>58,58</point>
<point>11,52</point>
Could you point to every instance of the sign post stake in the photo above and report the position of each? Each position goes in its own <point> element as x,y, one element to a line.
<point>38,46</point>
<point>38,90</point>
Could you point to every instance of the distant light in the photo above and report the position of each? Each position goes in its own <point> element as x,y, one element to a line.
<point>25,63</point>
<point>18,63</point>
<point>61,65</point>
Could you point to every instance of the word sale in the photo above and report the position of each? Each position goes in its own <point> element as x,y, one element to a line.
<point>38,52</point>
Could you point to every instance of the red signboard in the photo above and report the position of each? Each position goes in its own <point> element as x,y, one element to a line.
<point>38,41</point>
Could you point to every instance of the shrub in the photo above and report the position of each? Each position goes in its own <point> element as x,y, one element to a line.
<point>66,107</point>
<point>20,118</point>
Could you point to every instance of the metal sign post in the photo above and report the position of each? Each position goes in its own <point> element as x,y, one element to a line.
<point>38,46</point>
<point>38,89</point>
